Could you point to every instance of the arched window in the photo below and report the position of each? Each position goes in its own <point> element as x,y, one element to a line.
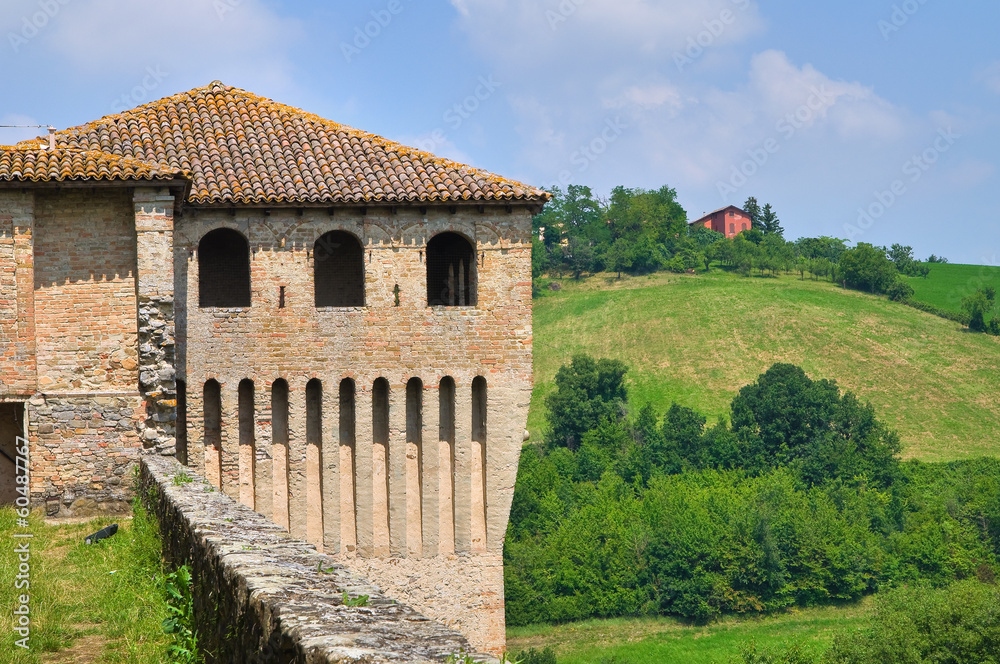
<point>339,270</point>
<point>223,269</point>
<point>451,271</point>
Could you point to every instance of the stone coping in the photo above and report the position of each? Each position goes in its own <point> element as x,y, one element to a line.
<point>261,595</point>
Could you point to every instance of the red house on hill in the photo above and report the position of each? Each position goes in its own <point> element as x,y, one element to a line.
<point>730,221</point>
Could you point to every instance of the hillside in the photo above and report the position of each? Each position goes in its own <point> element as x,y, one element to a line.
<point>697,339</point>
<point>948,283</point>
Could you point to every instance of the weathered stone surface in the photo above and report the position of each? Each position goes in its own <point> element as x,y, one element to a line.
<point>262,596</point>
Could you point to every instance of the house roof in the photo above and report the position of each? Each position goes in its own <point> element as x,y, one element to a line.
<point>714,212</point>
<point>26,163</point>
<point>243,149</point>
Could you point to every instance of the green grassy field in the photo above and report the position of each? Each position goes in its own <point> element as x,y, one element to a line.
<point>88,603</point>
<point>696,339</point>
<point>947,284</point>
<point>659,640</point>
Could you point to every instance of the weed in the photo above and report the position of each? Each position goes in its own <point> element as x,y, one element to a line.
<point>360,600</point>
<point>180,621</point>
<point>181,479</point>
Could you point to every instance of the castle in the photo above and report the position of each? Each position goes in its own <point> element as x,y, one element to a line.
<point>332,328</point>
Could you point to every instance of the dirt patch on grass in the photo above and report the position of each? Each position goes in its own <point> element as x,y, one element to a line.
<point>88,648</point>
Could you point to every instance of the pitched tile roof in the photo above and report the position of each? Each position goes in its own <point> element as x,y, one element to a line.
<point>31,163</point>
<point>242,149</point>
<point>706,216</point>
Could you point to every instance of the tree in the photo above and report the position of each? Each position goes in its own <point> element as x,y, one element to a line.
<point>752,208</point>
<point>769,223</point>
<point>830,248</point>
<point>936,259</point>
<point>587,392</point>
<point>899,291</point>
<point>902,257</point>
<point>619,257</point>
<point>866,267</point>
<point>978,306</point>
<point>578,256</point>
<point>786,418</point>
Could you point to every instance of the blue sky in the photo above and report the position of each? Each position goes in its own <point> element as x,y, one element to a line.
<point>875,121</point>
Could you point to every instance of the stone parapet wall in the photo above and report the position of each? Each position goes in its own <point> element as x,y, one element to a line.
<point>262,596</point>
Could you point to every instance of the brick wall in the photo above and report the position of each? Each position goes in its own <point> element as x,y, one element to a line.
<point>84,417</point>
<point>17,343</point>
<point>298,343</point>
<point>85,305</point>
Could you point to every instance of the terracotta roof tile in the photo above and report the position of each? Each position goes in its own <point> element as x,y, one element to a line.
<point>29,162</point>
<point>241,149</point>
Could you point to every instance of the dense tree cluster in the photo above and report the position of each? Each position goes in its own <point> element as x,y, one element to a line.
<point>799,498</point>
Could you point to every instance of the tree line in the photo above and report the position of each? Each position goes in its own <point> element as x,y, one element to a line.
<point>639,231</point>
<point>800,498</point>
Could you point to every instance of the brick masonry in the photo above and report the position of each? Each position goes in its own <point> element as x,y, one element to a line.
<point>100,327</point>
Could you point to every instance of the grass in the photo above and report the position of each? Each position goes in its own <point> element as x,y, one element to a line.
<point>947,284</point>
<point>89,603</point>
<point>697,339</point>
<point>657,640</point>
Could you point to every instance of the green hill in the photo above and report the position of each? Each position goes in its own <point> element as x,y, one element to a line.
<point>697,339</point>
<point>947,284</point>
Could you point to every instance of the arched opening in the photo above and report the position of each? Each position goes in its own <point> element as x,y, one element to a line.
<point>314,462</point>
<point>180,426</point>
<point>380,466</point>
<point>348,468</point>
<point>248,447</point>
<point>339,270</point>
<point>479,464</point>
<point>223,269</point>
<point>446,456</point>
<point>212,400</point>
<point>279,452</point>
<point>414,463</point>
<point>451,271</point>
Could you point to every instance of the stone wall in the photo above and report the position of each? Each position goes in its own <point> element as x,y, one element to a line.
<point>262,596</point>
<point>82,451</point>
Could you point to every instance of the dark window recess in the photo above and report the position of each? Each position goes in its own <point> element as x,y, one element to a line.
<point>11,428</point>
<point>181,424</point>
<point>223,270</point>
<point>281,297</point>
<point>451,271</point>
<point>339,270</point>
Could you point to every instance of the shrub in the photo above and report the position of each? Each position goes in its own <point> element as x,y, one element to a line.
<point>900,291</point>
<point>917,625</point>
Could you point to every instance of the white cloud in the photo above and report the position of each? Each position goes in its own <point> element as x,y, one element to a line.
<point>522,31</point>
<point>203,39</point>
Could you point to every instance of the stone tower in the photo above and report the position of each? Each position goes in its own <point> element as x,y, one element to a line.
<point>332,328</point>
